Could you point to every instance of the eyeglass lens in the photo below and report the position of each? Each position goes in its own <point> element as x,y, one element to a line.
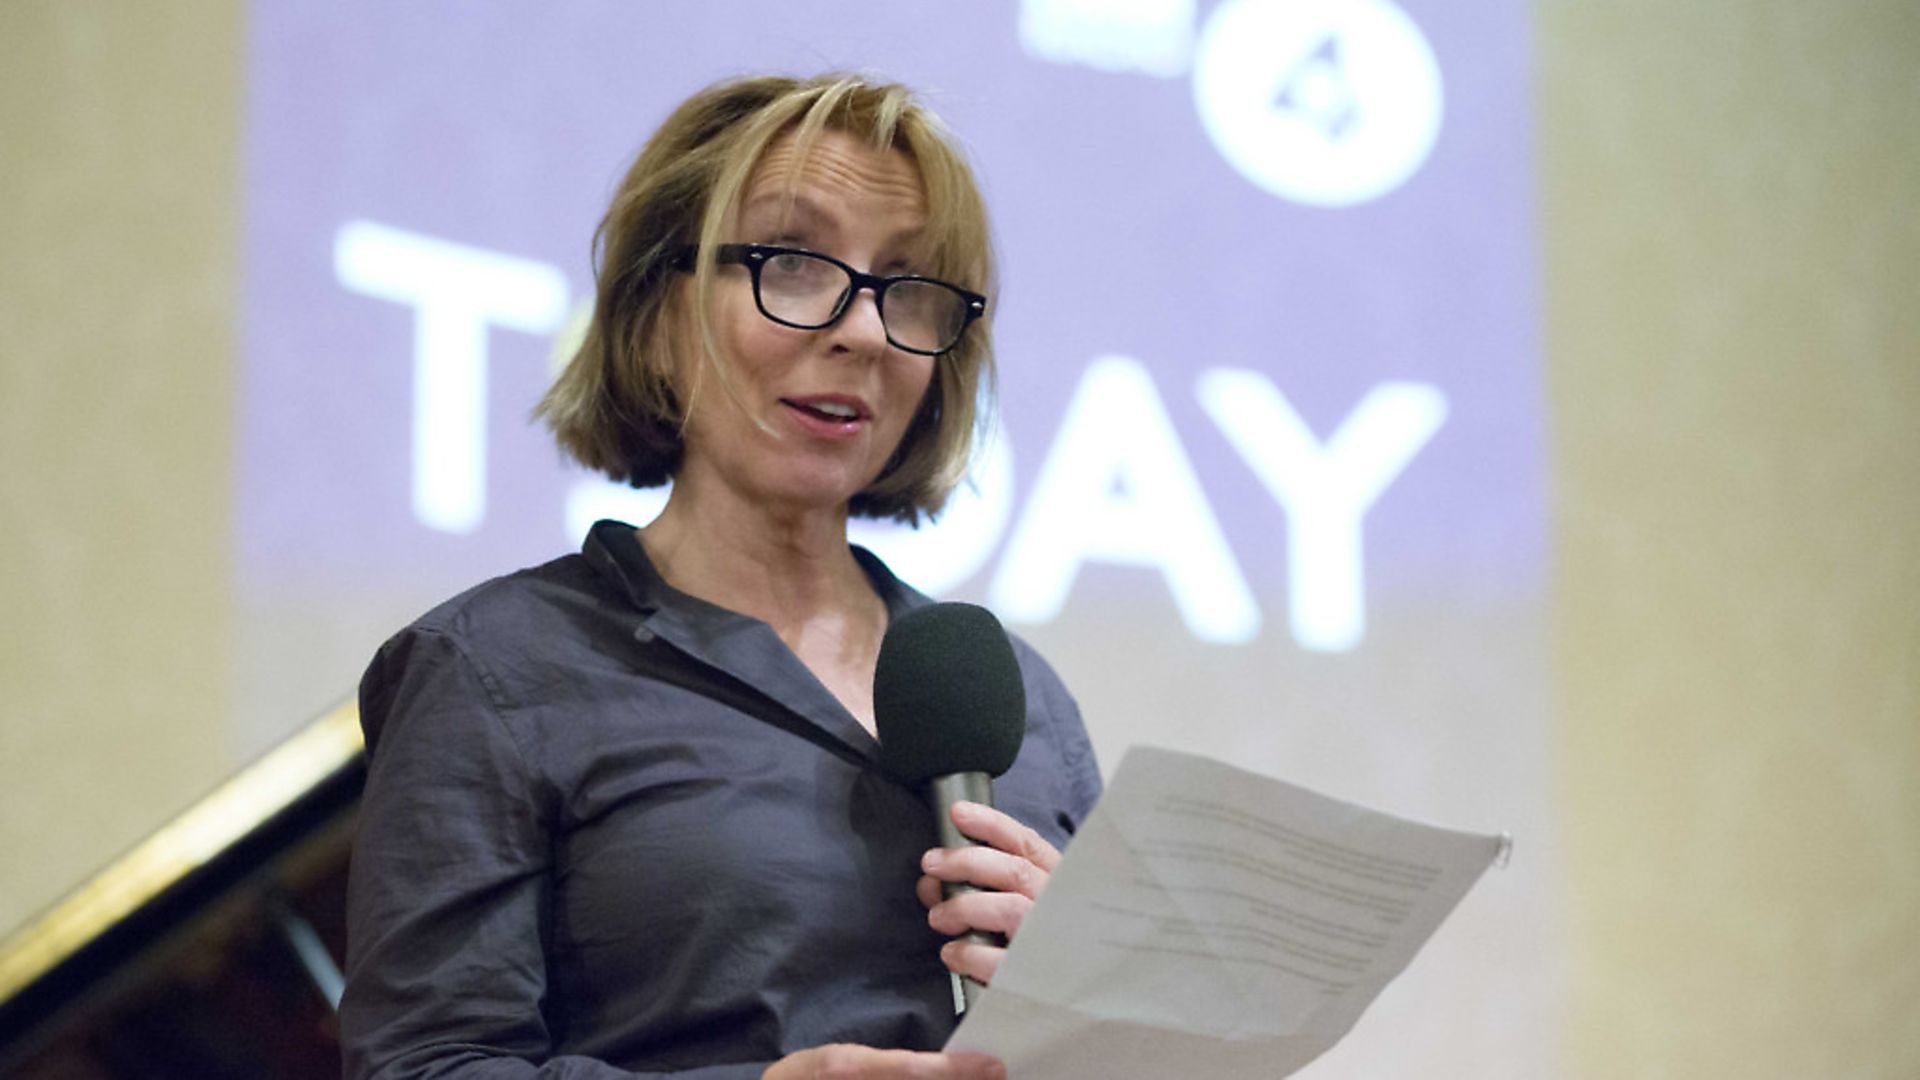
<point>808,291</point>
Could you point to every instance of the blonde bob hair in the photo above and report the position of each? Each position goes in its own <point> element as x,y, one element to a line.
<point>621,403</point>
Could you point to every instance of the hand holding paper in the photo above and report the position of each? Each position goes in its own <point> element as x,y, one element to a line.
<point>1212,922</point>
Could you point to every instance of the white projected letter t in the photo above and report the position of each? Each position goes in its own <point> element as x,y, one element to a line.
<point>456,292</point>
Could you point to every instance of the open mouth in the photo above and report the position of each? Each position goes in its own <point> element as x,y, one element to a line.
<point>826,410</point>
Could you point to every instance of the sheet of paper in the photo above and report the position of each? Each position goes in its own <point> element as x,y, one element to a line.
<point>1212,922</point>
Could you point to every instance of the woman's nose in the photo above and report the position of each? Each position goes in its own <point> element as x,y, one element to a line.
<point>860,325</point>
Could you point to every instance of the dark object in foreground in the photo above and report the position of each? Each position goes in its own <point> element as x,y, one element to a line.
<point>947,694</point>
<point>208,951</point>
<point>951,711</point>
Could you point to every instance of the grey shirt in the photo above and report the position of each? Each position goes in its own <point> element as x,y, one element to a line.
<point>611,830</point>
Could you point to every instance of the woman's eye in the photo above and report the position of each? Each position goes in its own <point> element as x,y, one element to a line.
<point>792,270</point>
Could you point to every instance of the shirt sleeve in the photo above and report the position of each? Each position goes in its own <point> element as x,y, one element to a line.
<point>1068,732</point>
<point>1077,751</point>
<point>447,892</point>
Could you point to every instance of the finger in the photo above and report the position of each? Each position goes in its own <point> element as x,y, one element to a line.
<point>972,959</point>
<point>996,913</point>
<point>928,890</point>
<point>997,830</point>
<point>870,1064</point>
<point>845,1061</point>
<point>970,1065</point>
<point>986,868</point>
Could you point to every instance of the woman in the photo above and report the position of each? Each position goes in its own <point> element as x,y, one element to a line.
<point>623,816</point>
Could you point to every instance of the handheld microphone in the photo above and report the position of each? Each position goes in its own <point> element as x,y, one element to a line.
<point>951,710</point>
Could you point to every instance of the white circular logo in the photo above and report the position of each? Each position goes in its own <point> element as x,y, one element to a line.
<point>1323,102</point>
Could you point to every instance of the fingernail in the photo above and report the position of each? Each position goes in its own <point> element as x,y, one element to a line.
<point>932,859</point>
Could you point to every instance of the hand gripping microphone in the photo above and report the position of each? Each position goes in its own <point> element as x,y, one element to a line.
<point>950,709</point>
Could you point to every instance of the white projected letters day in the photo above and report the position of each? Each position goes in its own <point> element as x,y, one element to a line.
<point>1326,488</point>
<point>1116,486</point>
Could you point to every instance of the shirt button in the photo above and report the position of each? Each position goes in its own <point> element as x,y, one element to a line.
<point>642,635</point>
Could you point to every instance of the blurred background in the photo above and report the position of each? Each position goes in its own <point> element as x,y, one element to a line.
<point>1602,314</point>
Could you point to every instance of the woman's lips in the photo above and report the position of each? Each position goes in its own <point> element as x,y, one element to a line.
<point>830,416</point>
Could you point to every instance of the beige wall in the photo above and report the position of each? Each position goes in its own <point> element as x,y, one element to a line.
<point>1729,197</point>
<point>1732,222</point>
<point>119,127</point>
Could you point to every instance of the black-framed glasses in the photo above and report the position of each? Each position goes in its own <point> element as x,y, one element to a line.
<point>810,291</point>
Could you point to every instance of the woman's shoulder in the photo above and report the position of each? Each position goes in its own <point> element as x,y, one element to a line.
<point>496,644</point>
<point>501,608</point>
<point>1044,684</point>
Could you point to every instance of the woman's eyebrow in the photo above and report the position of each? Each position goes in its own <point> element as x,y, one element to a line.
<point>917,242</point>
<point>795,211</point>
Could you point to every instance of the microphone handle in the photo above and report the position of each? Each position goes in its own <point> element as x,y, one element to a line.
<point>945,791</point>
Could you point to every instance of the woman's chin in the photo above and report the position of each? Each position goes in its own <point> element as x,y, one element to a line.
<point>813,492</point>
<point>784,480</point>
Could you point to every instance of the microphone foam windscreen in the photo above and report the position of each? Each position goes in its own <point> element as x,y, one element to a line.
<point>947,694</point>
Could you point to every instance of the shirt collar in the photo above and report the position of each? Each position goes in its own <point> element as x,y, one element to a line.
<point>613,548</point>
<point>738,645</point>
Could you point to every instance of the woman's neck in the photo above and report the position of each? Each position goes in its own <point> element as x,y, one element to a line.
<point>786,566</point>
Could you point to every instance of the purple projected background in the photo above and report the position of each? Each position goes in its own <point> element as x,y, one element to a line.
<point>1134,220</point>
